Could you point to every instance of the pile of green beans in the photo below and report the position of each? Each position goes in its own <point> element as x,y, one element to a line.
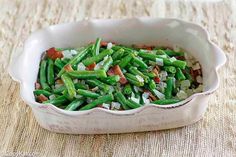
<point>88,78</point>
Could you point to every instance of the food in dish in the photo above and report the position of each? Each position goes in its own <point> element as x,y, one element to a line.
<point>116,77</point>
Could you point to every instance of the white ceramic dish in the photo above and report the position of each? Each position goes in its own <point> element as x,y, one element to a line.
<point>149,31</point>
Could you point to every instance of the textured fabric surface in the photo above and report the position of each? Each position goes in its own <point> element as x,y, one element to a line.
<point>214,135</point>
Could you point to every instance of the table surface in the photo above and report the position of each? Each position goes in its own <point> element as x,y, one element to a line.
<point>214,135</point>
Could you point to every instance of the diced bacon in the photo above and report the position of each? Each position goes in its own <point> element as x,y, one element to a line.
<point>91,66</point>
<point>110,72</point>
<point>153,98</point>
<point>59,81</point>
<point>41,98</point>
<point>144,47</point>
<point>103,43</point>
<point>54,54</point>
<point>37,85</point>
<point>117,71</point>
<point>68,68</point>
<point>180,58</point>
<point>157,79</point>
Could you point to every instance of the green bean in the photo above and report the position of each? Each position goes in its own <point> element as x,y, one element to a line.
<point>160,52</point>
<point>41,91</point>
<point>69,85</point>
<point>125,60</point>
<point>74,105</point>
<point>139,62</point>
<point>58,101</point>
<point>135,71</point>
<point>99,84</point>
<point>127,49</point>
<point>116,62</point>
<point>127,89</point>
<point>65,60</point>
<point>59,64</point>
<point>166,101</point>
<point>62,88</point>
<point>173,53</point>
<point>169,88</point>
<point>98,57</point>
<point>95,50</point>
<point>133,80</point>
<point>76,59</point>
<point>111,80</point>
<point>167,61</point>
<point>84,74</point>
<point>107,63</point>
<point>50,72</point>
<point>152,84</point>
<point>177,63</point>
<point>42,77</point>
<point>87,93</point>
<point>150,74</point>
<point>59,90</point>
<point>118,54</point>
<point>188,75</point>
<point>179,74</point>
<point>170,69</point>
<point>98,101</point>
<point>132,104</point>
<point>122,100</point>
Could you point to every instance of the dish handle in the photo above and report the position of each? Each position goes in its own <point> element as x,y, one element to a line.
<point>15,63</point>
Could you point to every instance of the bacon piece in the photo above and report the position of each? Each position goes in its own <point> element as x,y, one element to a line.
<point>68,68</point>
<point>91,66</point>
<point>37,85</point>
<point>54,54</point>
<point>41,98</point>
<point>157,79</point>
<point>153,98</point>
<point>117,71</point>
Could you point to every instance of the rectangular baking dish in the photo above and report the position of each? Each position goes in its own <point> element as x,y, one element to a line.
<point>147,31</point>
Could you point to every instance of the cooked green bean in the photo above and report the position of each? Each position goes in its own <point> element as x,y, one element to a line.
<point>166,101</point>
<point>132,104</point>
<point>98,101</point>
<point>122,100</point>
<point>125,60</point>
<point>58,101</point>
<point>69,85</point>
<point>50,72</point>
<point>84,74</point>
<point>96,47</point>
<point>59,64</point>
<point>87,93</point>
<point>135,71</point>
<point>98,57</point>
<point>42,77</point>
<point>139,62</point>
<point>111,80</point>
<point>118,54</point>
<point>99,84</point>
<point>41,91</point>
<point>152,84</point>
<point>107,63</point>
<point>179,74</point>
<point>170,69</point>
<point>74,104</point>
<point>127,89</point>
<point>133,79</point>
<point>169,88</point>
